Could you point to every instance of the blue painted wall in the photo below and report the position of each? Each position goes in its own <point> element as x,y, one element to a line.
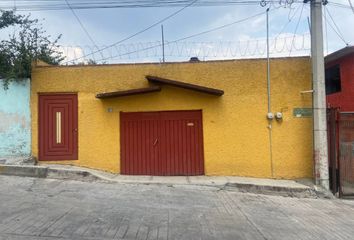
<point>15,119</point>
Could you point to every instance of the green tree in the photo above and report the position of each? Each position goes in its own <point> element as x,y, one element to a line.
<point>29,43</point>
<point>8,18</point>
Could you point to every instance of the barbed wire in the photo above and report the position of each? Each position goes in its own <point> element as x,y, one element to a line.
<point>280,3</point>
<point>150,51</point>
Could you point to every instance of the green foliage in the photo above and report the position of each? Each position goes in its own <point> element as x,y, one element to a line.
<point>29,43</point>
<point>8,18</point>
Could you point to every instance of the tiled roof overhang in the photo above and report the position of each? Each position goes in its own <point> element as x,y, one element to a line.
<point>129,92</point>
<point>198,88</point>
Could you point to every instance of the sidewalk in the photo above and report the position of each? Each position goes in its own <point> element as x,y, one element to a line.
<point>290,188</point>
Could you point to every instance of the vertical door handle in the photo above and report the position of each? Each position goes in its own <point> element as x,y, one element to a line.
<point>58,127</point>
<point>155,142</point>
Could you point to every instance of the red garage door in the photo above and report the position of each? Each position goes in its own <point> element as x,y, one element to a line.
<point>162,143</point>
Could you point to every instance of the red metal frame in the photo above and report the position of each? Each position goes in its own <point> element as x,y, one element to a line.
<point>48,148</point>
<point>345,134</point>
<point>162,143</point>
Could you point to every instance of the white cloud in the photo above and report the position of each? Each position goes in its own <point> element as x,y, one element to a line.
<point>71,53</point>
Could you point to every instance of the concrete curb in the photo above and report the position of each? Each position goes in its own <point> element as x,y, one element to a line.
<point>24,171</point>
<point>47,172</point>
<point>76,175</point>
<point>299,192</point>
<point>91,176</point>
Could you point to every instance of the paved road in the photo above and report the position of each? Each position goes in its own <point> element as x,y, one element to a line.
<point>52,209</point>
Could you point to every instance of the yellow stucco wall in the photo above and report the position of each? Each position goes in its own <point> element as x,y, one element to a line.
<point>236,134</point>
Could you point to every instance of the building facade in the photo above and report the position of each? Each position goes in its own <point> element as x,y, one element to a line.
<point>340,101</point>
<point>340,79</point>
<point>15,122</point>
<point>200,118</point>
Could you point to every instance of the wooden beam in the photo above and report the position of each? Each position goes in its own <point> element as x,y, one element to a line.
<point>128,92</point>
<point>184,85</point>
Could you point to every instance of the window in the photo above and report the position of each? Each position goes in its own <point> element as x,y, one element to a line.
<point>333,84</point>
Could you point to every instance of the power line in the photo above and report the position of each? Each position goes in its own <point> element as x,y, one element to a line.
<point>82,25</point>
<point>326,28</point>
<point>14,28</point>
<point>288,22</point>
<point>44,5</point>
<point>297,25</point>
<point>141,31</point>
<point>351,5</point>
<point>338,34</point>
<point>339,5</point>
<point>191,36</point>
<point>336,26</point>
<point>334,22</point>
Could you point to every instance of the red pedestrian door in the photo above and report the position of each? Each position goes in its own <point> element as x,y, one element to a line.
<point>162,143</point>
<point>58,125</point>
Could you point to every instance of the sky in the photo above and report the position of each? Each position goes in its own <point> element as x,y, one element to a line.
<point>288,27</point>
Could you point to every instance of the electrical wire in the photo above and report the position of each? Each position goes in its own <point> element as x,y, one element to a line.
<point>290,18</point>
<point>326,28</point>
<point>297,26</point>
<point>351,5</point>
<point>334,22</point>
<point>333,28</point>
<point>339,5</point>
<point>45,5</point>
<point>82,25</point>
<point>14,28</point>
<point>139,32</point>
<point>336,26</point>
<point>191,36</point>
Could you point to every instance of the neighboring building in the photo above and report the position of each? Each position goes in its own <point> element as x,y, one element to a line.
<point>340,101</point>
<point>211,119</point>
<point>340,79</point>
<point>15,122</point>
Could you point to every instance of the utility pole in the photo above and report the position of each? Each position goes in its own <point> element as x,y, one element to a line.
<point>163,44</point>
<point>319,97</point>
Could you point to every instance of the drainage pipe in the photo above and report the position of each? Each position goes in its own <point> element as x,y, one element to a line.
<point>269,100</point>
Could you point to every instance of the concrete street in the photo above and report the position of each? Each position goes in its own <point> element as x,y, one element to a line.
<point>32,208</point>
